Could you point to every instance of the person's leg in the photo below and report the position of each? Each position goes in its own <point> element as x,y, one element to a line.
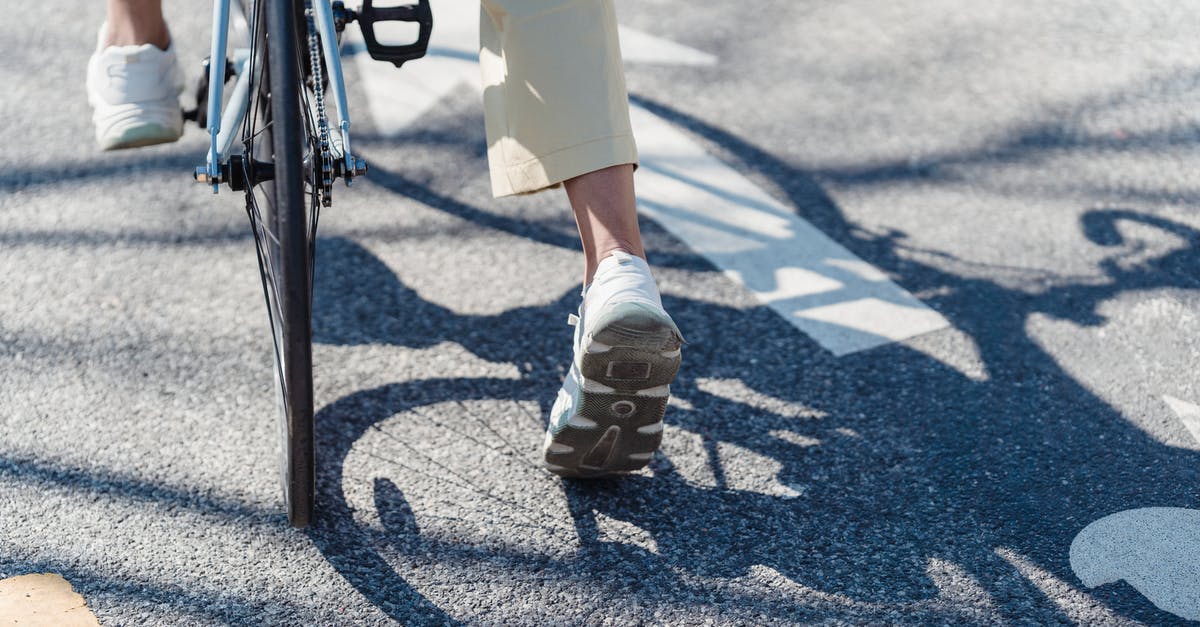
<point>134,79</point>
<point>556,112</point>
<point>554,92</point>
<point>606,213</point>
<point>135,22</point>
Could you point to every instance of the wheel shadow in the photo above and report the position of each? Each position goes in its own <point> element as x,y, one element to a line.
<point>898,464</point>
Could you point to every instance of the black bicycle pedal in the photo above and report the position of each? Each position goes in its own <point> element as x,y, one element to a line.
<point>200,114</point>
<point>370,15</point>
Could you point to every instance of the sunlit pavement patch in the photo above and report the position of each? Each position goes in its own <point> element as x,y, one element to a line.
<point>843,303</point>
<point>42,599</point>
<point>1189,415</point>
<point>1155,549</point>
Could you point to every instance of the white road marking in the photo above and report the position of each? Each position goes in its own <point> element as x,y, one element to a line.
<point>839,300</point>
<point>1189,415</point>
<point>1154,549</point>
<point>843,303</point>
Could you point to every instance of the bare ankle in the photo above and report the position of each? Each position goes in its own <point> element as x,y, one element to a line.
<point>136,35</point>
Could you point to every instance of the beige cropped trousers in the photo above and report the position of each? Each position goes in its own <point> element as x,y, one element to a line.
<point>554,95</point>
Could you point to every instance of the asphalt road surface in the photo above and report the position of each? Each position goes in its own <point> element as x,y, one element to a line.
<point>983,410</point>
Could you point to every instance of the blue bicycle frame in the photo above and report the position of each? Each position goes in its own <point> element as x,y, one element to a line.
<point>223,125</point>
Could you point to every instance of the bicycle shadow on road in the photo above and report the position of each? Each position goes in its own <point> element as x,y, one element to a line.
<point>911,487</point>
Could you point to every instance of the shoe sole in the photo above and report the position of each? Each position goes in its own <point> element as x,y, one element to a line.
<point>631,360</point>
<point>138,136</point>
<point>132,125</point>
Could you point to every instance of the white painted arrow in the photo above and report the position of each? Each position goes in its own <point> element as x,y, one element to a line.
<point>843,303</point>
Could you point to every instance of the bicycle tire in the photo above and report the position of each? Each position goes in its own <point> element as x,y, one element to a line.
<point>283,212</point>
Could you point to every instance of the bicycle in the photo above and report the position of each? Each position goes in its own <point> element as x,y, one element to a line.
<point>286,163</point>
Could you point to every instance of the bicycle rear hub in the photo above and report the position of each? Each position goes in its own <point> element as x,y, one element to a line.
<point>239,174</point>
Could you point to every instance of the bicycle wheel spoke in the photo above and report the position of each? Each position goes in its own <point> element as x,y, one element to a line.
<point>442,425</point>
<point>437,498</point>
<point>465,482</point>
<point>484,423</point>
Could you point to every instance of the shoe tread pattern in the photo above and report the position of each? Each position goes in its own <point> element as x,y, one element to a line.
<point>642,354</point>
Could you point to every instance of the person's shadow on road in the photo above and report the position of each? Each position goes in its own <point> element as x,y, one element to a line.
<point>913,480</point>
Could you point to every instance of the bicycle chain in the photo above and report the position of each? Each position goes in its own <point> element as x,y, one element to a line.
<point>325,192</point>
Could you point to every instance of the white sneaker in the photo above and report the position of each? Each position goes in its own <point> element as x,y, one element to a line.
<point>134,93</point>
<point>608,417</point>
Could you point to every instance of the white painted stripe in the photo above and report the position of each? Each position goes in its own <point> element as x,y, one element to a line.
<point>842,302</point>
<point>839,300</point>
<point>1189,415</point>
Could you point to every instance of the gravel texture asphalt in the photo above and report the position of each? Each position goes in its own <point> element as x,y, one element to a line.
<point>1027,169</point>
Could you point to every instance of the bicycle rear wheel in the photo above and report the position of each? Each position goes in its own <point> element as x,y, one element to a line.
<point>280,157</point>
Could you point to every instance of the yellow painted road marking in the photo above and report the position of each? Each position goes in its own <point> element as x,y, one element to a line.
<point>42,600</point>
